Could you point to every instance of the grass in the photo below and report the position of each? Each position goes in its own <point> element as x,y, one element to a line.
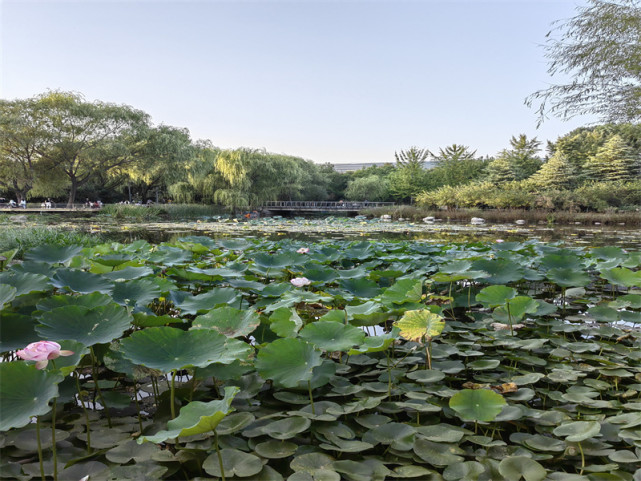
<point>143,213</point>
<point>25,238</point>
<point>629,218</point>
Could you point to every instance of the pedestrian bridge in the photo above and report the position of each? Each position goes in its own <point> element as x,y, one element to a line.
<point>312,207</point>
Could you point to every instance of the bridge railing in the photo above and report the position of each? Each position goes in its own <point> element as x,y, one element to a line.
<point>323,205</point>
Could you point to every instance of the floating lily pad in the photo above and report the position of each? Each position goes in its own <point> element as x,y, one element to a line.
<point>235,463</point>
<point>332,336</point>
<point>477,404</point>
<point>228,321</point>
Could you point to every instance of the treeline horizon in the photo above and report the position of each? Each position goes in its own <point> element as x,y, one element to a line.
<point>58,145</point>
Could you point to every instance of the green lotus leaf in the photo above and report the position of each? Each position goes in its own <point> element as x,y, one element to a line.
<point>25,282</point>
<point>622,276</point>
<point>311,463</point>
<point>208,300</point>
<point>235,244</point>
<point>426,376</point>
<point>16,331</point>
<point>80,281</point>
<point>578,431</point>
<point>131,450</point>
<point>286,428</point>
<point>276,261</point>
<point>355,273</point>
<point>334,315</point>
<point>500,271</point>
<point>31,267</point>
<point>25,392</point>
<point>170,256</point>
<point>168,348</point>
<point>196,418</point>
<point>129,273</point>
<point>228,321</point>
<point>494,296</point>
<point>403,290</point>
<point>98,325</point>
<point>320,274</point>
<point>608,253</point>
<point>413,471</point>
<point>369,313</point>
<point>559,261</point>
<point>360,287</point>
<point>146,320</point>
<point>7,294</point>
<point>420,325</point>
<point>466,471</point>
<point>399,435</point>
<point>90,301</point>
<point>376,343</point>
<point>285,322</point>
<point>626,456</point>
<point>139,292</point>
<point>52,254</point>
<point>288,361</point>
<point>320,375</point>
<point>517,467</point>
<point>477,404</point>
<point>275,449</point>
<point>565,277</point>
<point>234,423</point>
<point>67,364</point>
<point>437,454</point>
<point>515,309</point>
<point>332,336</point>
<point>483,364</point>
<point>112,260</point>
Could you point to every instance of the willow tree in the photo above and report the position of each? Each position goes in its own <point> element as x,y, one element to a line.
<point>599,51</point>
<point>161,160</point>
<point>85,138</point>
<point>20,143</point>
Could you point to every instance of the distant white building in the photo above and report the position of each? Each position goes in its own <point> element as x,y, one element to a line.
<point>342,168</point>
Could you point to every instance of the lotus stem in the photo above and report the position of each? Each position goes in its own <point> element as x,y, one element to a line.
<point>428,357</point>
<point>509,317</point>
<point>311,398</point>
<point>137,407</point>
<point>42,468</point>
<point>172,397</point>
<point>94,374</point>
<point>220,458</point>
<point>53,440</point>
<point>582,459</point>
<point>84,408</point>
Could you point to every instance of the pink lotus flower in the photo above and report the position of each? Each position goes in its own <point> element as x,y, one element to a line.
<point>303,250</point>
<point>42,352</point>
<point>499,241</point>
<point>300,281</point>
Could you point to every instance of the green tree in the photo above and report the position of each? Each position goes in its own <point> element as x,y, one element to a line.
<point>20,143</point>
<point>412,157</point>
<point>407,182</point>
<point>161,160</point>
<point>457,165</point>
<point>557,173</point>
<point>522,156</point>
<point>614,161</point>
<point>373,188</point>
<point>499,171</point>
<point>600,50</point>
<point>85,138</point>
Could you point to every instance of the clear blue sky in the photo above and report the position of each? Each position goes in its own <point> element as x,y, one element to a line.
<point>328,81</point>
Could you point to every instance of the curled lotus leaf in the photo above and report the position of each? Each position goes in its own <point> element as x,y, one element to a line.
<point>196,418</point>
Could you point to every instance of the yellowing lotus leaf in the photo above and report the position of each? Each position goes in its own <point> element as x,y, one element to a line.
<point>420,325</point>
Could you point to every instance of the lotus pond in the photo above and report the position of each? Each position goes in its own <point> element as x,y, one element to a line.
<point>257,359</point>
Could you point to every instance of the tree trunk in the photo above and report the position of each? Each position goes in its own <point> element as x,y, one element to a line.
<point>72,193</point>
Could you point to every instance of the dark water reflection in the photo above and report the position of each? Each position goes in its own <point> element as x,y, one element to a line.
<point>588,236</point>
